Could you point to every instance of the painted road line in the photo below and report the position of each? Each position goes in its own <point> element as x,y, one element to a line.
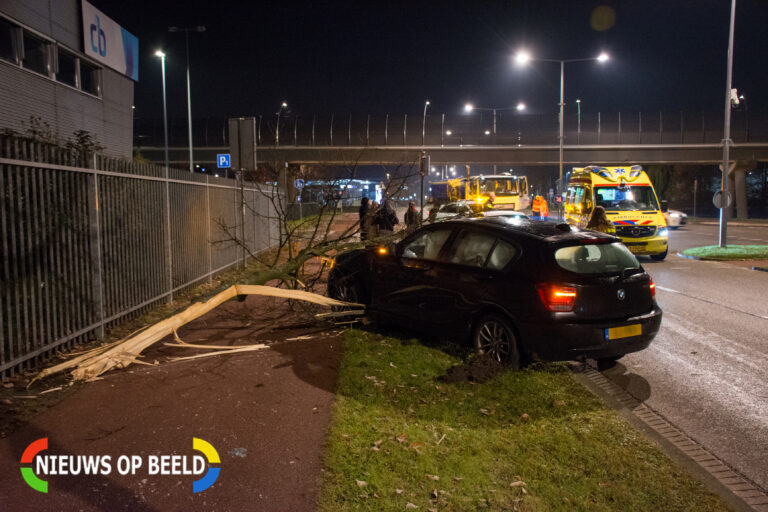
<point>670,290</point>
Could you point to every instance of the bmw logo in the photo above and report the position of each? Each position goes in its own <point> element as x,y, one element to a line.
<point>621,294</point>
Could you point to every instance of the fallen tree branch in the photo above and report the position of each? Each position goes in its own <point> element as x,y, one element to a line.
<point>124,352</point>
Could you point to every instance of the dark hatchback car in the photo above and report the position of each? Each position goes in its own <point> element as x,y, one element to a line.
<point>519,290</point>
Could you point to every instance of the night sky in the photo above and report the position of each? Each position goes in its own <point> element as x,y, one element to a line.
<point>388,57</point>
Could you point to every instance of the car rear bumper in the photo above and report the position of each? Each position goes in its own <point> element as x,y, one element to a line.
<point>565,340</point>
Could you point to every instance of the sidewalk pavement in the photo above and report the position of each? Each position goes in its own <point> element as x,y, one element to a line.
<point>266,414</point>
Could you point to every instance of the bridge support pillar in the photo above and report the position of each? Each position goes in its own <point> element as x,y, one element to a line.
<point>740,184</point>
<point>737,186</point>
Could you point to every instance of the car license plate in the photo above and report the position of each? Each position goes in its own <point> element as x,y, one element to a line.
<point>636,248</point>
<point>626,331</point>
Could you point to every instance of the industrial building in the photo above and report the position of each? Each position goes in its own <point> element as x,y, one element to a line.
<point>69,65</point>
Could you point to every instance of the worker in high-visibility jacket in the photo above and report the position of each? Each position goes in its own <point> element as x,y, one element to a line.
<point>543,209</point>
<point>536,206</point>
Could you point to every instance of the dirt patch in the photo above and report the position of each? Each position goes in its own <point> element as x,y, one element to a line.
<point>480,369</point>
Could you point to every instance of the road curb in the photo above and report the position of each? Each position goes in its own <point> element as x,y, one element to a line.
<point>762,269</point>
<point>735,488</point>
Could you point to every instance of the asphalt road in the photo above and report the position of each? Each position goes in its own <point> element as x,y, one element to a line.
<point>707,369</point>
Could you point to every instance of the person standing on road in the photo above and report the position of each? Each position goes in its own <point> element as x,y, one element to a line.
<point>599,221</point>
<point>386,219</point>
<point>363,213</point>
<point>543,209</point>
<point>411,217</point>
<point>490,203</point>
<point>536,207</point>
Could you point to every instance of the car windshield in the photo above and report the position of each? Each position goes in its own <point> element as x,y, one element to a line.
<point>596,258</point>
<point>499,186</point>
<point>638,197</point>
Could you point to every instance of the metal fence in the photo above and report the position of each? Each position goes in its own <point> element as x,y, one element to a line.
<point>478,128</point>
<point>88,241</point>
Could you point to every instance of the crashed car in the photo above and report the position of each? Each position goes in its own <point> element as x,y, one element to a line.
<point>518,291</point>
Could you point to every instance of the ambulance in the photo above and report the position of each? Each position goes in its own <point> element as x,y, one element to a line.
<point>630,203</point>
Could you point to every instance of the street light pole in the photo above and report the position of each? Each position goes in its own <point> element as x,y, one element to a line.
<point>578,126</point>
<point>523,58</point>
<point>746,117</point>
<point>562,115</point>
<point>727,132</point>
<point>277,128</point>
<point>424,122</point>
<point>199,28</point>
<point>160,54</point>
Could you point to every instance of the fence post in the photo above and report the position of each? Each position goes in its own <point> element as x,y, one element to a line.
<point>598,127</point>
<point>349,131</point>
<point>208,226</point>
<point>97,276</point>
<point>442,130</point>
<point>682,129</point>
<point>661,128</point>
<point>386,130</point>
<point>405,127</point>
<point>241,178</point>
<point>168,249</point>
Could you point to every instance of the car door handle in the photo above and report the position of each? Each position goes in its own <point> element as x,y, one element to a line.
<point>413,265</point>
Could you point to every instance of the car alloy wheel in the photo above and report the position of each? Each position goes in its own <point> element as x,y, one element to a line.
<point>495,338</point>
<point>345,289</point>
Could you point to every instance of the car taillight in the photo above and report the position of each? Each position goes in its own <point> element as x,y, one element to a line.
<point>653,289</point>
<point>557,298</point>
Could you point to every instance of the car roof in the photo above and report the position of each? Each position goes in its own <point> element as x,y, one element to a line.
<point>547,232</point>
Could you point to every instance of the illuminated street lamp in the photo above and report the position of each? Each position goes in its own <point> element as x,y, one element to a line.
<point>186,31</point>
<point>424,122</point>
<point>522,58</point>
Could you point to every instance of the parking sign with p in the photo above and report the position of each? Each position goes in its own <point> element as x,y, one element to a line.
<point>223,161</point>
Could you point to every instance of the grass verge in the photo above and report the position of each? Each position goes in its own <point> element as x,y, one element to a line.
<point>731,252</point>
<point>530,440</point>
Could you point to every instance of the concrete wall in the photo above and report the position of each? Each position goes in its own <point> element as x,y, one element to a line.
<point>66,109</point>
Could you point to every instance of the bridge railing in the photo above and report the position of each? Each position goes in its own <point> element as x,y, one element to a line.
<point>86,242</point>
<point>478,128</point>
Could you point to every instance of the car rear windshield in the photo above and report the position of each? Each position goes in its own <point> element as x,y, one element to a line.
<point>596,258</point>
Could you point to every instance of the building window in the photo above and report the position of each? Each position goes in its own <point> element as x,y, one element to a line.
<point>66,69</point>
<point>7,36</point>
<point>35,54</point>
<point>89,78</point>
<point>32,52</point>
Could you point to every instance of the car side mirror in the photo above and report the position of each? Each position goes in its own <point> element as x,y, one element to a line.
<point>386,250</point>
<point>589,206</point>
<point>664,205</point>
